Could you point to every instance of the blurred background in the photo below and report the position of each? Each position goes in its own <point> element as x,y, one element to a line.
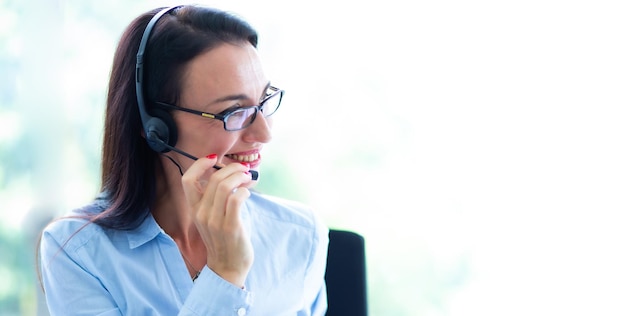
<point>478,146</point>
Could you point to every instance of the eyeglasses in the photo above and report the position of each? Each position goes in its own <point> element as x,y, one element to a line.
<point>241,117</point>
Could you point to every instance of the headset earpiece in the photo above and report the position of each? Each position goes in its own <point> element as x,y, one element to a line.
<point>160,130</point>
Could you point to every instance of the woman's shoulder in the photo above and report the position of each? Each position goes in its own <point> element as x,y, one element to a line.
<point>74,228</point>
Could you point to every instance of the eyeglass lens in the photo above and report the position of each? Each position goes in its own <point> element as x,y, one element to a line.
<point>243,117</point>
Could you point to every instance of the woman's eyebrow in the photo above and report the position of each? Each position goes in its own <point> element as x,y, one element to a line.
<point>233,97</point>
<point>267,86</point>
<point>236,97</point>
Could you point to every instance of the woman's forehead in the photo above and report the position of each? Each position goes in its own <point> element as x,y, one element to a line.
<point>225,70</point>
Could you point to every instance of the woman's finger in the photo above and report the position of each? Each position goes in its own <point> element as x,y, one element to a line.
<point>195,179</point>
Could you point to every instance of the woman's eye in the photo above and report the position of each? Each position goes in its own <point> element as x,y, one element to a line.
<point>231,109</point>
<point>238,113</point>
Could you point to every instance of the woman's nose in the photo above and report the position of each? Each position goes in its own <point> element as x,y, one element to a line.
<point>260,130</point>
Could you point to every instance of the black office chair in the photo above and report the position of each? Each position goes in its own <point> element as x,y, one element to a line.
<point>346,275</point>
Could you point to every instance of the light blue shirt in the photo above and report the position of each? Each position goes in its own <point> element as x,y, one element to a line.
<point>90,270</point>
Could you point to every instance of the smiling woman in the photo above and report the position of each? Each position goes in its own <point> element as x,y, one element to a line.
<point>159,213</point>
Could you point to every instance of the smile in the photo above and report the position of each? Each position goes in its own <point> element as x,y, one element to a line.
<point>244,158</point>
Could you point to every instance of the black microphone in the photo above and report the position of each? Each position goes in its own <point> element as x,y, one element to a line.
<point>152,136</point>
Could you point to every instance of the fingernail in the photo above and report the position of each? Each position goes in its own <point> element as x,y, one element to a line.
<point>211,156</point>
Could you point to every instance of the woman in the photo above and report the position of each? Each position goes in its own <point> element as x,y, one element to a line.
<point>170,235</point>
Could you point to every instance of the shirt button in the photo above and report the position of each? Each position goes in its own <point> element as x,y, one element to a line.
<point>241,312</point>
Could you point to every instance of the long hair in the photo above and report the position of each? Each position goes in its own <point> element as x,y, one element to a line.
<point>129,166</point>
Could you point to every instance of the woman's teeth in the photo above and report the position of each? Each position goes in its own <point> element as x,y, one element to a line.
<point>244,158</point>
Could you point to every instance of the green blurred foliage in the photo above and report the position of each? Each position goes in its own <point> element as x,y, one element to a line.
<point>16,272</point>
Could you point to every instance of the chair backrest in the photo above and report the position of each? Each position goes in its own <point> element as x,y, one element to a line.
<point>346,275</point>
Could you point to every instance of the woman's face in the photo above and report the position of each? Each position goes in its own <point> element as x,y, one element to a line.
<point>228,76</point>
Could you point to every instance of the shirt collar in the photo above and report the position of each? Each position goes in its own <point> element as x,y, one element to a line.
<point>147,231</point>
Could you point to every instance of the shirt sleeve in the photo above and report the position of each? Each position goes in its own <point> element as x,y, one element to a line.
<point>315,298</point>
<point>231,300</point>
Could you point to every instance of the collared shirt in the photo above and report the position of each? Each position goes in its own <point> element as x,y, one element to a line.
<point>90,270</point>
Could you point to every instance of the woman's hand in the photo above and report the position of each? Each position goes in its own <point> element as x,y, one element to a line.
<point>215,198</point>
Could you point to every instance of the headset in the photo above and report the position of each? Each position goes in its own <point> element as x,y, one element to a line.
<point>158,125</point>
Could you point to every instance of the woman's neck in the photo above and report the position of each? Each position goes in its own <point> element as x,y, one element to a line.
<point>170,209</point>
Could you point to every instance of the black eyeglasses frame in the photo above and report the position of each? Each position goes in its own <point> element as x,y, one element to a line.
<point>224,115</point>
